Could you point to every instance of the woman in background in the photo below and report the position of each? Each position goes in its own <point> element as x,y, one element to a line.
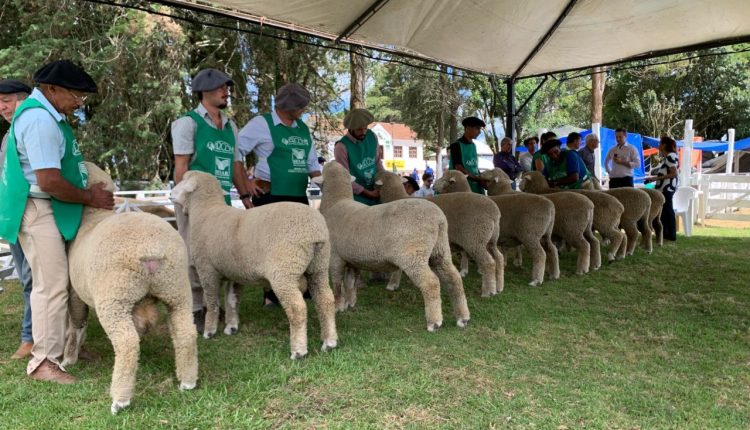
<point>666,182</point>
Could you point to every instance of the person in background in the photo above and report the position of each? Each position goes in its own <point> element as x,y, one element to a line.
<point>565,169</point>
<point>621,160</point>
<point>415,175</point>
<point>359,152</point>
<point>574,141</point>
<point>321,161</point>
<point>426,190</point>
<point>588,152</point>
<point>505,161</point>
<point>463,154</point>
<point>667,181</point>
<point>541,160</point>
<point>429,171</point>
<point>411,186</point>
<point>12,94</point>
<point>526,158</point>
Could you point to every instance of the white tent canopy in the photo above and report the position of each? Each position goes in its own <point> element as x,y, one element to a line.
<point>507,37</point>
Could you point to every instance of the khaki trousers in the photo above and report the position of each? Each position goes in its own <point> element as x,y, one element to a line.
<point>45,251</point>
<point>195,283</point>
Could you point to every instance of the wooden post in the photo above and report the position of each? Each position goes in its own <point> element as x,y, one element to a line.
<point>730,151</point>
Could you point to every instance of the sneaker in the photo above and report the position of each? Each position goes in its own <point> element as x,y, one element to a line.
<point>51,372</point>
<point>23,351</point>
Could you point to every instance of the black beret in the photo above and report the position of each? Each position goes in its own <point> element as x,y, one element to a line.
<point>210,79</point>
<point>64,73</point>
<point>472,121</point>
<point>550,144</point>
<point>409,180</point>
<point>12,86</point>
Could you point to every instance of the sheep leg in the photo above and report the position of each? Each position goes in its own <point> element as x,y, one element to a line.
<point>231,307</point>
<point>623,248</point>
<point>551,257</point>
<point>538,261</point>
<point>615,238</point>
<point>78,313</point>
<point>465,265</point>
<point>117,321</point>
<point>287,289</point>
<point>325,307</point>
<point>631,230</point>
<point>584,254</point>
<point>211,281</point>
<point>428,284</point>
<point>658,228</point>
<point>499,268</point>
<point>395,281</point>
<point>486,264</point>
<point>646,233</point>
<point>184,336</point>
<point>596,252</point>
<point>454,285</point>
<point>518,257</point>
<point>338,271</point>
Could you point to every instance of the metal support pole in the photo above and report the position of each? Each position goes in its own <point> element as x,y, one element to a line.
<point>687,154</point>
<point>596,130</point>
<point>511,109</point>
<point>730,151</point>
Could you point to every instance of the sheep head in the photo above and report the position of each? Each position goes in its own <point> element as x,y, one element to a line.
<point>499,181</point>
<point>452,181</point>
<point>196,184</point>
<point>391,186</point>
<point>97,175</point>
<point>336,183</point>
<point>533,182</point>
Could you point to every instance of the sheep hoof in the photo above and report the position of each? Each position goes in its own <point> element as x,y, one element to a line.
<point>487,295</point>
<point>208,334</point>
<point>184,386</point>
<point>434,326</point>
<point>117,406</point>
<point>328,345</point>
<point>463,273</point>
<point>462,322</point>
<point>230,330</point>
<point>391,287</point>
<point>298,355</point>
<point>535,283</point>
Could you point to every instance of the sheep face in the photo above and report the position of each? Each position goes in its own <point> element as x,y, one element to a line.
<point>499,182</point>
<point>181,193</point>
<point>533,182</point>
<point>451,182</point>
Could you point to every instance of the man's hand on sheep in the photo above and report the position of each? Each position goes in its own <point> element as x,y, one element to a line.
<point>100,198</point>
<point>254,189</point>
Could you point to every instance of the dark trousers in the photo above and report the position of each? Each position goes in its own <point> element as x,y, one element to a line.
<point>626,181</point>
<point>267,199</point>
<point>668,218</point>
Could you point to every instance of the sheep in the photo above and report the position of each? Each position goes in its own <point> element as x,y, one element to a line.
<point>637,206</point>
<point>607,212</point>
<point>574,217</point>
<point>654,220</point>
<point>475,231</point>
<point>408,234</point>
<point>120,264</point>
<point>527,220</point>
<point>290,250</point>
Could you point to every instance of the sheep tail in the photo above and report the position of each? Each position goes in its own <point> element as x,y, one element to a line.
<point>145,315</point>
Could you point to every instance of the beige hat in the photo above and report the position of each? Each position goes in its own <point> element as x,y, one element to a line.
<point>358,118</point>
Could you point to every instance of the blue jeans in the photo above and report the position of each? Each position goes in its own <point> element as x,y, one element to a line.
<point>24,274</point>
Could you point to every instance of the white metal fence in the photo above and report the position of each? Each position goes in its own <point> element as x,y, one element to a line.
<point>723,195</point>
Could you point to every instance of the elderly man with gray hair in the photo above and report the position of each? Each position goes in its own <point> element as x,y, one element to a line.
<point>588,152</point>
<point>285,152</point>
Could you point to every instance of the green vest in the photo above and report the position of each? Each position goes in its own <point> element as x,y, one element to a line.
<point>539,156</point>
<point>14,188</point>
<point>362,165</point>
<point>214,152</point>
<point>557,171</point>
<point>288,160</point>
<point>470,162</point>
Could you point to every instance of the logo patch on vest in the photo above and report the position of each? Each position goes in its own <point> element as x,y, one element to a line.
<point>220,146</point>
<point>222,167</point>
<point>294,141</point>
<point>84,173</point>
<point>298,157</point>
<point>365,163</point>
<point>76,150</point>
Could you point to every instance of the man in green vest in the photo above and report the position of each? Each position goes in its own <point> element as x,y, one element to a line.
<point>565,168</point>
<point>205,139</point>
<point>360,153</point>
<point>285,152</point>
<point>12,94</point>
<point>463,154</point>
<point>42,194</point>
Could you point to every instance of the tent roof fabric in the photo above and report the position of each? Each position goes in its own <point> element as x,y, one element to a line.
<point>507,37</point>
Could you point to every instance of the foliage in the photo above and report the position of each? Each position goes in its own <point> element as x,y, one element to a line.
<point>641,343</point>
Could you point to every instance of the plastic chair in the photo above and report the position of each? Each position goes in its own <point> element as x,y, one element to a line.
<point>682,203</point>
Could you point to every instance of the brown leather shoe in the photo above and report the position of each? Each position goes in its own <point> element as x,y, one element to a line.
<point>51,372</point>
<point>23,351</point>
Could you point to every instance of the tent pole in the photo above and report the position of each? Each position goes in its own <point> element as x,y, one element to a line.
<point>730,151</point>
<point>511,109</point>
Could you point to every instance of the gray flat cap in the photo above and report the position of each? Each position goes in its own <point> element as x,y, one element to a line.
<point>210,79</point>
<point>292,97</point>
<point>358,118</point>
<point>12,86</point>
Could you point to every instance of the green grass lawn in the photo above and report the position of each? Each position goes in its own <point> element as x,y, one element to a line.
<point>658,341</point>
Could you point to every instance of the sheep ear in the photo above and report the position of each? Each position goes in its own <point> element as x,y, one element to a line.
<point>496,179</point>
<point>317,180</point>
<point>188,185</point>
<point>379,183</point>
<point>452,180</point>
<point>352,178</point>
<point>403,180</point>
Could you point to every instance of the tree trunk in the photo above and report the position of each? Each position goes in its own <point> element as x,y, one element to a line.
<point>598,78</point>
<point>357,71</point>
<point>439,146</point>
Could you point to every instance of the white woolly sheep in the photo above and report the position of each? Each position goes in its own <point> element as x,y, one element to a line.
<point>290,250</point>
<point>473,226</point>
<point>409,234</point>
<point>607,212</point>
<point>526,219</point>
<point>119,265</point>
<point>574,217</point>
<point>637,205</point>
